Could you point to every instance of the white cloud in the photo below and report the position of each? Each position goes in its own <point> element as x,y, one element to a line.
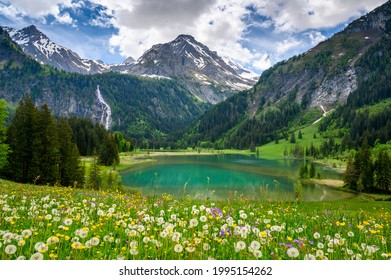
<point>286,45</point>
<point>300,15</point>
<point>316,37</point>
<point>66,19</point>
<point>233,28</point>
<point>39,9</point>
<point>261,61</point>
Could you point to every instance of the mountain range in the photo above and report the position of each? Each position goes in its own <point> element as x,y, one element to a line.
<point>184,86</point>
<point>191,63</point>
<point>300,90</point>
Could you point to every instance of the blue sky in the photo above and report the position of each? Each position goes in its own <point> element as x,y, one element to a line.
<point>255,33</point>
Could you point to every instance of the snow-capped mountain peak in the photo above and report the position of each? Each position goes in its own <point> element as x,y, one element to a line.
<point>41,48</point>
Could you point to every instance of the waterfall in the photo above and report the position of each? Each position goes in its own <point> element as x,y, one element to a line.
<point>105,118</point>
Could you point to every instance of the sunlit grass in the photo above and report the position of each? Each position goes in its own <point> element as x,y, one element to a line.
<point>62,223</point>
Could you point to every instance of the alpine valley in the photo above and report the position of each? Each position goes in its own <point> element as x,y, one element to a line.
<point>186,92</point>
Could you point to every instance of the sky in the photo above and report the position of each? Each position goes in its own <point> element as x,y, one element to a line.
<point>254,33</point>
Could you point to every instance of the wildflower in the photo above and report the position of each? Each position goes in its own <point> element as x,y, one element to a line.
<point>257,254</point>
<point>67,222</point>
<point>21,258</point>
<point>319,253</point>
<point>7,236</point>
<point>320,245</point>
<point>240,246</point>
<point>178,248</point>
<point>316,235</point>
<point>350,234</point>
<point>293,252</point>
<point>254,245</point>
<point>95,241</point>
<point>193,222</point>
<point>26,233</point>
<point>36,256</point>
<point>203,219</point>
<point>52,240</point>
<point>133,251</point>
<point>10,249</point>
<point>21,243</point>
<point>206,246</point>
<point>41,247</point>
<point>190,249</point>
<point>88,244</point>
<point>309,257</point>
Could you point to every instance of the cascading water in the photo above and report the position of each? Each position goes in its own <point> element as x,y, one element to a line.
<point>105,118</point>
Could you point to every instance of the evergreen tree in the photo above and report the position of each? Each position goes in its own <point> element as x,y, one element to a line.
<point>293,138</point>
<point>382,172</point>
<point>71,170</point>
<point>108,152</point>
<point>21,136</point>
<point>300,136</point>
<point>363,164</point>
<point>94,175</point>
<point>303,172</point>
<point>351,176</point>
<point>4,147</point>
<point>46,147</point>
<point>312,171</point>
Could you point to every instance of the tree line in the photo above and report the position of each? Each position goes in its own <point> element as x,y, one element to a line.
<point>365,174</point>
<point>38,148</point>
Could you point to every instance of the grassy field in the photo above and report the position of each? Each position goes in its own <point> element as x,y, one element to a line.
<point>38,222</point>
<point>276,151</point>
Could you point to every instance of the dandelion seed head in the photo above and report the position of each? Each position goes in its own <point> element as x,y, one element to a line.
<point>36,256</point>
<point>178,248</point>
<point>10,249</point>
<point>292,252</point>
<point>309,257</point>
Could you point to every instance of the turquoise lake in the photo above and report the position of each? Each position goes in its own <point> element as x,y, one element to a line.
<point>226,176</point>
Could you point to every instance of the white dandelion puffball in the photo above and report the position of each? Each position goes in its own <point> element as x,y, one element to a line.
<point>309,257</point>
<point>292,252</point>
<point>36,256</point>
<point>178,248</point>
<point>10,249</point>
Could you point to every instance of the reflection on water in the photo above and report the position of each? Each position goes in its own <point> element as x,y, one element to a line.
<point>225,176</point>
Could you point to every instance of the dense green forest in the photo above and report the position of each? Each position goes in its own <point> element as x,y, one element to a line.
<point>38,148</point>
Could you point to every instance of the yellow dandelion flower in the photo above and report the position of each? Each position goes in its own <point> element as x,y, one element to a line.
<point>289,238</point>
<point>262,234</point>
<point>67,237</point>
<point>366,223</point>
<point>360,226</point>
<point>373,231</point>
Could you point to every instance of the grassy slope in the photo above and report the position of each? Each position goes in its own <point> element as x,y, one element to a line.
<point>276,151</point>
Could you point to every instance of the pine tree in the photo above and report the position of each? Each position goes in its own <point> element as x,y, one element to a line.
<point>21,136</point>
<point>71,170</point>
<point>300,136</point>
<point>293,138</point>
<point>108,152</point>
<point>312,170</point>
<point>46,147</point>
<point>351,175</point>
<point>363,162</point>
<point>382,172</point>
<point>94,174</point>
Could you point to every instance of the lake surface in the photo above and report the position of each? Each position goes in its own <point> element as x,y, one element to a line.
<point>226,176</point>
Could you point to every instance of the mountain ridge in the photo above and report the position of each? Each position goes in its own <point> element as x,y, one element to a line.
<point>211,81</point>
<point>323,77</point>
